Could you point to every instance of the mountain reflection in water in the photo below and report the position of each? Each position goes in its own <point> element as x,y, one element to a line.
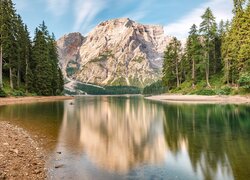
<point>116,134</point>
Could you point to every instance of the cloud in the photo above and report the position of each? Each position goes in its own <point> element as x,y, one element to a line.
<point>58,7</point>
<point>85,12</point>
<point>222,9</point>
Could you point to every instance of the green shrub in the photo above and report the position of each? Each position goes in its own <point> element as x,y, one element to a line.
<point>17,93</point>
<point>244,81</point>
<point>224,91</point>
<point>2,93</point>
<point>207,92</point>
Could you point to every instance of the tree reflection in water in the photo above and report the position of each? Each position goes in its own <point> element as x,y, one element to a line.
<point>217,137</point>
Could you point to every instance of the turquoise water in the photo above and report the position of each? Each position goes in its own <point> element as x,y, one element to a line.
<point>132,138</point>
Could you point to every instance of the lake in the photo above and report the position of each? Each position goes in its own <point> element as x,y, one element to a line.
<point>127,137</point>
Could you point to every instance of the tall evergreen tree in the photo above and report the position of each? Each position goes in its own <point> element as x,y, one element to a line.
<point>20,47</point>
<point>26,70</point>
<point>60,82</point>
<point>48,78</point>
<point>244,39</point>
<point>8,33</point>
<point>43,69</point>
<point>217,60</point>
<point>171,66</point>
<point>225,51</point>
<point>194,52</point>
<point>238,5</point>
<point>233,45</point>
<point>208,30</point>
<point>53,56</point>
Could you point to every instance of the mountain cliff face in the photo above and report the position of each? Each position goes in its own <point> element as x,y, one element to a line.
<point>116,52</point>
<point>68,51</point>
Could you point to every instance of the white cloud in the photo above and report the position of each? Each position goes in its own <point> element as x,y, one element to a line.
<point>85,12</point>
<point>222,9</point>
<point>58,7</point>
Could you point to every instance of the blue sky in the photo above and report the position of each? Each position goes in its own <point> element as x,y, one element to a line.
<point>65,16</point>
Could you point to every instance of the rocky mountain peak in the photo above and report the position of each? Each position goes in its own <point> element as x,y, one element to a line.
<point>116,52</point>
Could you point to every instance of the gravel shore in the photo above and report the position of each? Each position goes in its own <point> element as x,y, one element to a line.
<point>20,156</point>
<point>197,99</point>
<point>21,100</point>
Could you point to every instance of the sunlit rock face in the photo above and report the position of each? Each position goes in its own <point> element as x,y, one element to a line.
<point>120,52</point>
<point>116,136</point>
<point>68,51</point>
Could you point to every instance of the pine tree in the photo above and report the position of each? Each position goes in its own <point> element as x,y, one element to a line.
<point>43,68</point>
<point>232,45</point>
<point>9,44</point>
<point>238,6</point>
<point>26,70</point>
<point>225,52</point>
<point>171,68</point>
<point>53,56</point>
<point>217,64</point>
<point>208,30</point>
<point>60,82</point>
<point>20,46</point>
<point>48,76</point>
<point>244,39</point>
<point>194,52</point>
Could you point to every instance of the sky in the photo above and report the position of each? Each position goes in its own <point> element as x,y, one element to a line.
<point>66,16</point>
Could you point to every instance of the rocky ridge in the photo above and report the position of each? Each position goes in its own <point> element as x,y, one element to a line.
<point>116,52</point>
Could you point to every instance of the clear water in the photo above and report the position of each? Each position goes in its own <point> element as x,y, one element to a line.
<point>132,138</point>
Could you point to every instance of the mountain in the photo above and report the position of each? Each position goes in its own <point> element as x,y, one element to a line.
<point>116,52</point>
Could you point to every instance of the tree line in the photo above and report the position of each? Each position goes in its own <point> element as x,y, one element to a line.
<point>25,64</point>
<point>212,49</point>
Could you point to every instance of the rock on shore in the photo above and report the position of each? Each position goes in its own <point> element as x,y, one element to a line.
<point>20,157</point>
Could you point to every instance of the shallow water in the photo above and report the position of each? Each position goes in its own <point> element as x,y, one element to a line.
<point>132,138</point>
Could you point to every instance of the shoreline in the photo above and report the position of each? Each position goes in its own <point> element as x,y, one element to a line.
<point>20,155</point>
<point>32,99</point>
<point>198,99</point>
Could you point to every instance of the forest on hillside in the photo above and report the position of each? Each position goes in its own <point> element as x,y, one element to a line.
<point>27,66</point>
<point>216,57</point>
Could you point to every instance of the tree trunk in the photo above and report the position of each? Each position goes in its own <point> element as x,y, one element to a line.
<point>11,79</point>
<point>193,73</point>
<point>1,67</point>
<point>215,60</point>
<point>18,76</point>
<point>26,73</point>
<point>207,71</point>
<point>177,73</point>
<point>227,71</point>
